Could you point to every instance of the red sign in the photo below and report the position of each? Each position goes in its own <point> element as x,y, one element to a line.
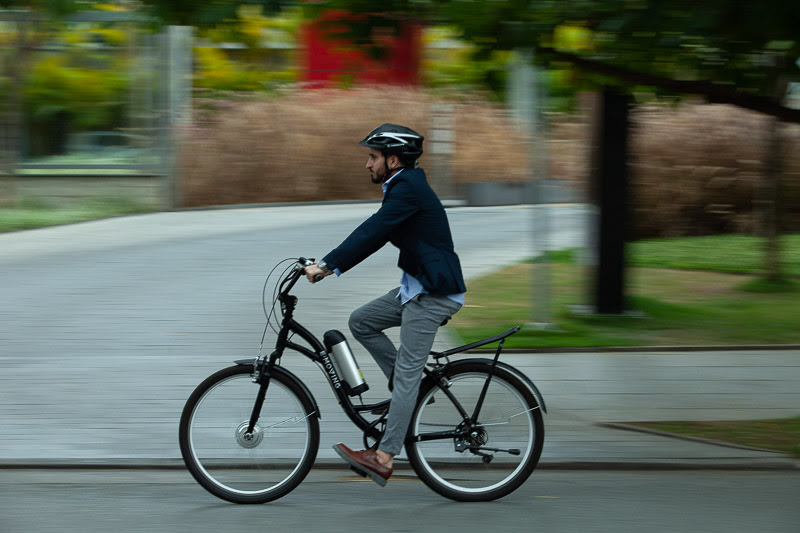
<point>331,60</point>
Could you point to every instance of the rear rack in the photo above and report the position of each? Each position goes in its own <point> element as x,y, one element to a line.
<point>482,342</point>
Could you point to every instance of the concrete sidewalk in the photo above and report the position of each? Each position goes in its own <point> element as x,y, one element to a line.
<point>585,394</point>
<point>107,327</point>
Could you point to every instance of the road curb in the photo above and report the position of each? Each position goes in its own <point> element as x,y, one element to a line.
<point>607,349</point>
<point>771,464</point>
<point>677,465</point>
<point>702,440</point>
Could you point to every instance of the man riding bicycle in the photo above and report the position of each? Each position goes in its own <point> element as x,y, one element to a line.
<point>431,287</point>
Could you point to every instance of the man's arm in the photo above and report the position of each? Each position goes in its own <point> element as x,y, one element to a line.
<point>375,232</point>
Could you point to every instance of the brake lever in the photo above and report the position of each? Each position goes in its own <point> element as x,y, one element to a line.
<point>306,262</point>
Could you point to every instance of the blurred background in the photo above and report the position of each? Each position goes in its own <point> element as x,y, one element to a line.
<point>643,155</point>
<point>670,119</point>
<point>164,105</point>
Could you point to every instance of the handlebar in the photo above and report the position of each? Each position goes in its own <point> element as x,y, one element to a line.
<point>305,262</point>
<point>289,281</point>
<point>289,278</point>
<point>299,270</point>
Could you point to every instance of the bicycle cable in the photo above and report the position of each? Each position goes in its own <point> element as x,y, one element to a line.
<point>274,298</point>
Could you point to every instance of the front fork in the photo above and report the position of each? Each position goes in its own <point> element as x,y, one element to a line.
<point>262,367</point>
<point>262,372</point>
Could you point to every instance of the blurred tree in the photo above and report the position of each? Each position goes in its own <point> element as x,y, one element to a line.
<point>27,17</point>
<point>205,13</point>
<point>729,51</point>
<point>50,8</point>
<point>742,46</point>
<point>26,25</point>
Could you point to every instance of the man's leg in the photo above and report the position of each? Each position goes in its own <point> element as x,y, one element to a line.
<point>367,324</point>
<point>421,318</point>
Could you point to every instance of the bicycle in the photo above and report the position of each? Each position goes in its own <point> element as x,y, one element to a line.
<point>250,433</point>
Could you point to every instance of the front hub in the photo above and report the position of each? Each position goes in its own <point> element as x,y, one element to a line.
<point>249,440</point>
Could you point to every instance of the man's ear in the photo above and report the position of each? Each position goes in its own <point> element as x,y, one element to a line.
<point>393,162</point>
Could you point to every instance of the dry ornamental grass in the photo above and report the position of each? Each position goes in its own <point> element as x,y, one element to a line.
<point>302,146</point>
<point>695,169</point>
<point>699,169</point>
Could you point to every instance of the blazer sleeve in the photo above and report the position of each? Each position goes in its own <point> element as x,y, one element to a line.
<point>399,205</point>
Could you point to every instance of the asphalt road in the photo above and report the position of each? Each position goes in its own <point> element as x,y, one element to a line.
<point>66,501</point>
<point>107,326</point>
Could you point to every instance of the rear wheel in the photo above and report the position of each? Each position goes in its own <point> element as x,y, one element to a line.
<point>487,458</point>
<point>254,467</point>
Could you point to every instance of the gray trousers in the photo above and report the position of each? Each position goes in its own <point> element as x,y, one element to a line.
<point>419,319</point>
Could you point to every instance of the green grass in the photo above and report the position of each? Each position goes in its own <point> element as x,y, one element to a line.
<point>684,291</point>
<point>32,214</point>
<point>676,299</point>
<point>781,435</point>
<point>760,285</point>
<point>720,253</point>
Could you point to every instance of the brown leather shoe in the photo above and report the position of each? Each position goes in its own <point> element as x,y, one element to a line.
<point>365,462</point>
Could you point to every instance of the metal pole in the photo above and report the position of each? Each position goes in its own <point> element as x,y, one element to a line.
<point>525,98</point>
<point>178,102</point>
<point>442,137</point>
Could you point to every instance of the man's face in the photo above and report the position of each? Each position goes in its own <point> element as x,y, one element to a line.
<point>376,164</point>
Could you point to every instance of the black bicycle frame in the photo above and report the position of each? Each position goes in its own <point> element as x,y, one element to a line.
<point>318,354</point>
<point>438,374</point>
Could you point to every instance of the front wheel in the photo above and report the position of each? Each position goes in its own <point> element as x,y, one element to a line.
<point>475,460</point>
<point>241,466</point>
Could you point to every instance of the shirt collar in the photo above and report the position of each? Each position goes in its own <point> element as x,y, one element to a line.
<point>385,184</point>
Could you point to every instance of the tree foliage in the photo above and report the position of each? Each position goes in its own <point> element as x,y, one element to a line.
<point>204,13</point>
<point>748,45</point>
<point>54,8</point>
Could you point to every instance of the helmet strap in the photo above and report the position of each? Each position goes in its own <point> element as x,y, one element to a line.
<point>389,172</point>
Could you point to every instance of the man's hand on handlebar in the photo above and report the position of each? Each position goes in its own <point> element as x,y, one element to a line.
<point>315,273</point>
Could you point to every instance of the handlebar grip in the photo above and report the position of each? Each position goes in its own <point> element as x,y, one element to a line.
<point>318,278</point>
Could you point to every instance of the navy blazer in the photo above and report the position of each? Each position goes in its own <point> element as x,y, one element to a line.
<point>413,219</point>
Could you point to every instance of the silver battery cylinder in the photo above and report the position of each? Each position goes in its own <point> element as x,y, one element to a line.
<point>345,363</point>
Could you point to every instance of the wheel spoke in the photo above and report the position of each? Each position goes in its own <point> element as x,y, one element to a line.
<point>243,466</point>
<point>506,418</point>
<point>491,456</point>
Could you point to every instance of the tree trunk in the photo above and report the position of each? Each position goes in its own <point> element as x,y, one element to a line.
<point>771,204</point>
<point>770,200</point>
<point>610,190</point>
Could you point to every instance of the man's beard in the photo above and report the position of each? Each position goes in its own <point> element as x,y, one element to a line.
<point>374,176</point>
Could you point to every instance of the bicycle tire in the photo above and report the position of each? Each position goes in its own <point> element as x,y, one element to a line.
<point>244,469</point>
<point>510,420</point>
